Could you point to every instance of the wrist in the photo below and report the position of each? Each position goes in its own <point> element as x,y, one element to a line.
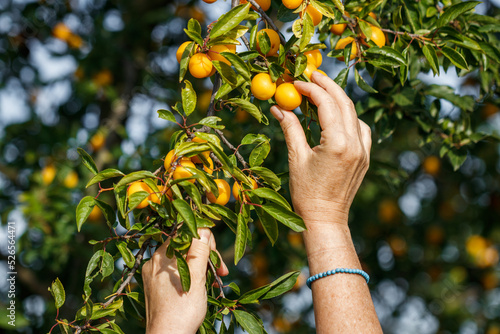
<point>323,212</point>
<point>160,327</point>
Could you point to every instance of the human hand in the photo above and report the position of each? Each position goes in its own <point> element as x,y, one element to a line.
<point>168,308</point>
<point>325,179</point>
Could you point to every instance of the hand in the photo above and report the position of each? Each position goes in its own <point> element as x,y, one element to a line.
<point>168,308</point>
<point>326,177</point>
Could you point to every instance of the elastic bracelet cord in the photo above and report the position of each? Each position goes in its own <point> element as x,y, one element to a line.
<point>337,271</point>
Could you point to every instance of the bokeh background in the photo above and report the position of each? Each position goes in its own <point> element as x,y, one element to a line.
<point>92,73</point>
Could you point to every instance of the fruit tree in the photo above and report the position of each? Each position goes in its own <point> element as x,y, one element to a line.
<point>162,126</point>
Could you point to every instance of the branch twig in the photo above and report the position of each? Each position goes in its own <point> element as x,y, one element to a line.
<point>217,277</point>
<point>138,259</point>
<point>231,147</point>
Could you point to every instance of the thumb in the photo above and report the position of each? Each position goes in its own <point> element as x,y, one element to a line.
<point>198,254</point>
<point>294,134</point>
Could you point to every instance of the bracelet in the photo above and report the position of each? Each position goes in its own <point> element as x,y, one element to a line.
<point>336,271</point>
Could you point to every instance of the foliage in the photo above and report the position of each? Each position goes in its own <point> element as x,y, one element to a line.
<point>447,246</point>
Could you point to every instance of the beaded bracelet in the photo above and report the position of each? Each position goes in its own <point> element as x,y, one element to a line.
<point>336,271</point>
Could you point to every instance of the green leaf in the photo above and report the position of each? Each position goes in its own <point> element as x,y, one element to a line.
<point>87,160</point>
<point>167,115</point>
<point>259,153</point>
<point>362,83</point>
<point>241,238</point>
<point>104,175</point>
<point>264,42</point>
<point>229,20</point>
<point>465,102</point>
<point>365,29</point>
<point>325,9</point>
<point>98,312</point>
<point>136,198</point>
<point>121,200</point>
<point>457,158</point>
<point>209,137</point>
<point>455,57</point>
<point>431,56</point>
<point>411,15</point>
<point>455,11</point>
<point>300,65</point>
<point>285,216</point>
<point>281,285</point>
<point>193,192</point>
<point>83,210</point>
<point>233,286</point>
<point>211,122</point>
<point>341,78</point>
<point>268,176</point>
<point>191,148</point>
<point>339,5</point>
<point>273,196</point>
<point>226,72</point>
<point>238,63</point>
<point>269,224</point>
<point>248,107</point>
<point>188,98</point>
<point>186,55</point>
<point>223,158</point>
<point>194,26</point>
<point>108,265</point>
<point>184,273</point>
<point>126,253</point>
<point>252,138</point>
<point>194,35</point>
<point>248,322</point>
<point>135,176</point>
<point>307,32</point>
<point>185,211</point>
<point>107,211</point>
<point>228,216</point>
<point>388,52</point>
<point>57,291</point>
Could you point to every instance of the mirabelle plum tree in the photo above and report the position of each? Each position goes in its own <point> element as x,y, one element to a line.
<point>190,189</point>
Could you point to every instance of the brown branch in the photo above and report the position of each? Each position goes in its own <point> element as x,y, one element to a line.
<point>231,147</point>
<point>138,259</point>
<point>268,20</point>
<point>217,277</point>
<point>247,43</point>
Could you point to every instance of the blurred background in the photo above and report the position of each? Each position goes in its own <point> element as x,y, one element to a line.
<point>92,73</point>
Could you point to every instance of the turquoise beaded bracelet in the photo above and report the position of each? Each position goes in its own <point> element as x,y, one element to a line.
<point>336,271</point>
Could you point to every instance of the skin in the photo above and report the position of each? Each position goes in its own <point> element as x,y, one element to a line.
<point>168,308</point>
<point>323,183</point>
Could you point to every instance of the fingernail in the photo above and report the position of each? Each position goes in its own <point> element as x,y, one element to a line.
<point>204,234</point>
<point>277,113</point>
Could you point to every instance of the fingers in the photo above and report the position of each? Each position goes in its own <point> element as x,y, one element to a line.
<point>366,138</point>
<point>329,114</point>
<point>343,101</point>
<point>294,135</point>
<point>198,254</point>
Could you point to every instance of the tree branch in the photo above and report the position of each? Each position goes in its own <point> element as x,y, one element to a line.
<point>217,277</point>
<point>231,147</point>
<point>138,259</point>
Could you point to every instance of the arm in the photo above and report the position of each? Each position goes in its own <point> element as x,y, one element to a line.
<point>323,183</point>
<point>168,308</point>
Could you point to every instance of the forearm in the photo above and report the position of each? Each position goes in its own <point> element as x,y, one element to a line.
<point>342,302</point>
